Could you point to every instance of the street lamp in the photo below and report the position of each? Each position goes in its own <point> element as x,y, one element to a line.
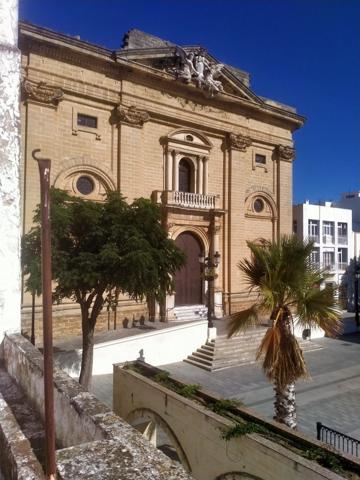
<point>210,265</point>
<point>356,292</point>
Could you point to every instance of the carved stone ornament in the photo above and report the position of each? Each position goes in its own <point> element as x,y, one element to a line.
<point>193,67</point>
<point>286,153</point>
<point>131,115</point>
<point>239,142</point>
<point>42,92</point>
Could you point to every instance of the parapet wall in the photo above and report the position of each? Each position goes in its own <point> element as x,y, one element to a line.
<point>95,442</point>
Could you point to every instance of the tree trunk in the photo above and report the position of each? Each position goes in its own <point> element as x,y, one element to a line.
<point>87,355</point>
<point>32,338</point>
<point>284,405</point>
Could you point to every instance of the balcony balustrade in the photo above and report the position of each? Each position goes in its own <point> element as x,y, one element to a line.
<point>187,199</point>
<point>342,239</point>
<point>314,238</point>
<point>329,239</point>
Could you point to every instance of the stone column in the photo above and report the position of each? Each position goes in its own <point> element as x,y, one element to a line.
<point>169,170</point>
<point>175,172</point>
<point>205,175</point>
<point>10,278</point>
<point>200,175</point>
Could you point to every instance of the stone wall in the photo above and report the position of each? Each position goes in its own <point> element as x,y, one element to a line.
<point>94,442</point>
<point>196,433</point>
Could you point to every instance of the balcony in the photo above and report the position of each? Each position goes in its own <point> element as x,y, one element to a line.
<point>314,238</point>
<point>328,239</point>
<point>342,265</point>
<point>330,266</point>
<point>342,239</point>
<point>186,199</point>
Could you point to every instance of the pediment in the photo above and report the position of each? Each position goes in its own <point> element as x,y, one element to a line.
<point>196,67</point>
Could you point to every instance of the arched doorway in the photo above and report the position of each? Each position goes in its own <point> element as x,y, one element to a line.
<point>188,282</point>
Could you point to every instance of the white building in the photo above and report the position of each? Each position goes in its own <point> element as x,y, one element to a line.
<point>330,228</point>
<point>352,200</point>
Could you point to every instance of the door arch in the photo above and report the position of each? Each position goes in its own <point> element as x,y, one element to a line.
<point>188,281</point>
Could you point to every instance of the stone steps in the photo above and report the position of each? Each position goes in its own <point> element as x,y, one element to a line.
<point>191,312</point>
<point>224,352</point>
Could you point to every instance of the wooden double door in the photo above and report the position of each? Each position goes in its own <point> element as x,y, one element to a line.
<point>188,281</point>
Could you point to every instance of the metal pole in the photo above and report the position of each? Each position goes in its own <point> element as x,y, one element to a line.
<point>44,170</point>
<point>32,339</point>
<point>318,430</point>
<point>210,308</point>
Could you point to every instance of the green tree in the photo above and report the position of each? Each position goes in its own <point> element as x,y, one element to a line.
<point>30,254</point>
<point>286,285</point>
<point>98,247</point>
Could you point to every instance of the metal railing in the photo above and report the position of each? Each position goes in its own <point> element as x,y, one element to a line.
<point>314,238</point>
<point>342,239</point>
<point>337,439</point>
<point>328,239</point>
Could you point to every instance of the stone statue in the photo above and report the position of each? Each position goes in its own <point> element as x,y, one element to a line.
<point>194,67</point>
<point>214,86</point>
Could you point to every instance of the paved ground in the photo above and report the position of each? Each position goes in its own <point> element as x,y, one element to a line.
<point>331,396</point>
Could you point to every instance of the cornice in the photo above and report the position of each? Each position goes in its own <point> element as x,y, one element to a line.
<point>84,53</point>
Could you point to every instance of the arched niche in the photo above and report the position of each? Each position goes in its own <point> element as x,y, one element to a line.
<point>147,421</point>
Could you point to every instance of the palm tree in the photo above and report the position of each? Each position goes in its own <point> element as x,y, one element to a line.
<point>286,285</point>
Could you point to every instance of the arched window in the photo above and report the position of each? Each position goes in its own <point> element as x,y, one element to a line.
<point>185,175</point>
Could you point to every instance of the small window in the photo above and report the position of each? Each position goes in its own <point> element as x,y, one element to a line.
<point>87,120</point>
<point>85,185</point>
<point>295,226</point>
<point>258,205</point>
<point>260,159</point>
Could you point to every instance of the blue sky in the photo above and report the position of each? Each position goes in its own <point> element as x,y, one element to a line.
<point>305,53</point>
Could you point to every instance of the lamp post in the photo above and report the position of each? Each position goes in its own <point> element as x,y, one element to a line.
<point>210,264</point>
<point>356,292</point>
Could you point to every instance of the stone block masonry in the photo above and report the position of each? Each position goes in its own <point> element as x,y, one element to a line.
<point>94,443</point>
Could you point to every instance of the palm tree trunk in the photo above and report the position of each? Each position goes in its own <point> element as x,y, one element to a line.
<point>284,405</point>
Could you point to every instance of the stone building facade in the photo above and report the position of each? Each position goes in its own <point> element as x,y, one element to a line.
<point>168,123</point>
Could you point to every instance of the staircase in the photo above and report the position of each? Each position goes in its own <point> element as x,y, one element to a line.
<point>224,352</point>
<point>191,312</point>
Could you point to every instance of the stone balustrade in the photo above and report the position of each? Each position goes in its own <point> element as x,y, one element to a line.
<point>187,199</point>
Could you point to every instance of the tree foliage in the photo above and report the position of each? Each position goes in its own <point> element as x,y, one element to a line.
<point>286,285</point>
<point>101,246</point>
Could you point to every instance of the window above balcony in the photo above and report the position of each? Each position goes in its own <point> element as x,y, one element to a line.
<point>186,154</point>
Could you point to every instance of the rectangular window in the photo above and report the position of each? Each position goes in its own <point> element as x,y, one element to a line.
<point>260,159</point>
<point>328,230</point>
<point>342,233</point>
<point>295,226</point>
<point>342,258</point>
<point>329,260</point>
<point>87,120</point>
<point>313,230</point>
<point>315,256</point>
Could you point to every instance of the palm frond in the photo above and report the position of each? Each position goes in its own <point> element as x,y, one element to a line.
<point>241,321</point>
<point>319,308</point>
<point>283,360</point>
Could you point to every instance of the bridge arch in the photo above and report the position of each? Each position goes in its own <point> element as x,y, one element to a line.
<point>148,422</point>
<point>237,476</point>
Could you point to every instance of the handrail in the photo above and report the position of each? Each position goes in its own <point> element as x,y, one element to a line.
<point>339,440</point>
